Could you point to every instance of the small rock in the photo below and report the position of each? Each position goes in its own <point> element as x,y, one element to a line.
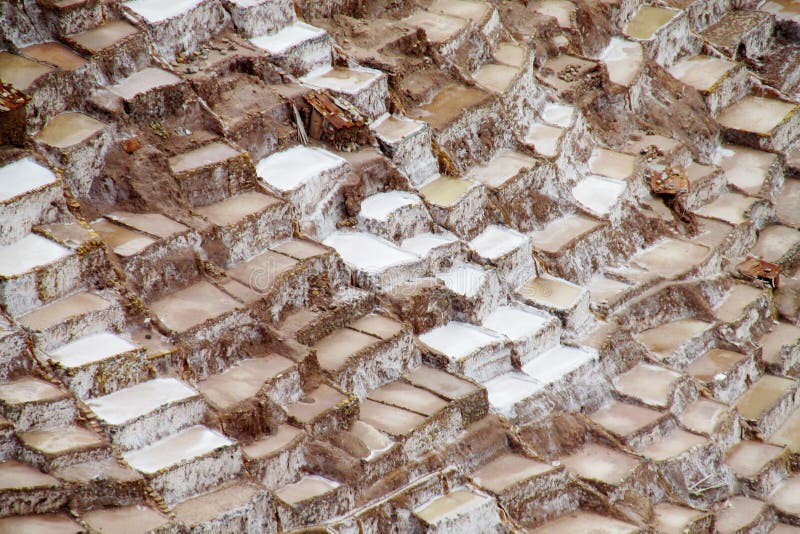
<point>131,145</point>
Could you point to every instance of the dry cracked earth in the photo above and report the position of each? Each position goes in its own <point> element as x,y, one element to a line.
<point>400,266</point>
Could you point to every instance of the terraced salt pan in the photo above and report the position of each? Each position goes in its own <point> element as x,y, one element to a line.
<point>345,80</point>
<point>243,380</point>
<point>625,419</point>
<point>606,290</point>
<point>703,416</point>
<point>392,420</point>
<point>409,397</point>
<point>422,244</point>
<point>22,176</point>
<point>120,518</point>
<point>394,128</point>
<point>104,36</point>
<point>776,242</point>
<point>561,232</point>
<point>732,208</point>
<point>28,253</point>
<point>381,205</point>
<point>561,10</point>
<point>16,475</point>
<point>545,139</point>
<point>511,54</point>
<point>143,81</point>
<point>212,153</point>
<point>368,252</point>
<point>497,241</point>
<point>623,59</point>
<point>286,38</point>
<point>699,174</point>
<point>21,72</point>
<point>612,164</point>
<point>501,168</point>
<point>597,462</point>
<point>127,404</point>
<point>185,445</point>
<point>464,280</point>
<point>29,389</point>
<point>784,10</point>
<point>648,383</point>
<point>151,223</point>
<point>671,257</point>
<point>748,458</point>
<point>788,434</point>
<point>334,350</point>
<point>550,291</point>
<point>506,390</point>
<point>648,20</point>
<point>461,507</point>
<point>458,340</point>
<point>672,446</point>
<point>121,240</point>
<point>701,72</point>
<point>514,323</point>
<point>738,513</point>
<point>290,169</point>
<point>49,523</point>
<point>496,77</point>
<point>306,488</point>
<point>279,439</point>
<point>318,401</point>
<point>787,206</point>
<point>746,168</point>
<point>782,335</point>
<point>756,114</point>
<point>373,439</point>
<point>91,348</point>
<point>233,209</point>
<point>598,194</point>
<point>55,54</point>
<point>62,440</point>
<point>449,103</point>
<point>785,499</point>
<point>68,129</point>
<point>664,339</point>
<point>672,518</point>
<point>191,306</point>
<point>438,28</point>
<point>446,385</point>
<point>638,143</point>
<point>474,10</point>
<point>159,10</point>
<point>561,115</point>
<point>250,3</point>
<point>556,363</point>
